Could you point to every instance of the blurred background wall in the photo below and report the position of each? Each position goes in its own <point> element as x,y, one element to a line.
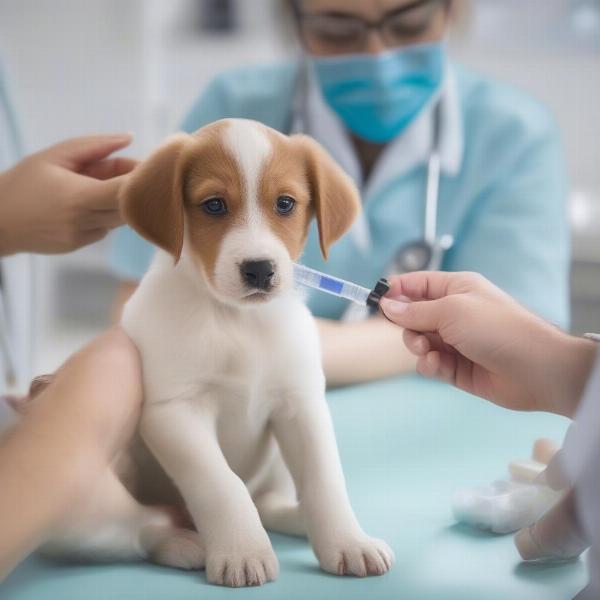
<point>80,66</point>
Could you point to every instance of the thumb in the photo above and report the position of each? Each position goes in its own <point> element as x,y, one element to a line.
<point>75,153</point>
<point>104,195</point>
<point>424,316</point>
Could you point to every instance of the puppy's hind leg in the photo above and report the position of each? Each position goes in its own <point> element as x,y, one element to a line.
<point>113,526</point>
<point>276,501</point>
<point>280,513</point>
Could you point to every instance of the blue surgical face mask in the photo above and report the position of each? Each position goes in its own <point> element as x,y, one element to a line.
<point>378,95</point>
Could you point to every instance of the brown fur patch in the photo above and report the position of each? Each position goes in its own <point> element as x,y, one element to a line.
<point>212,172</point>
<point>284,174</point>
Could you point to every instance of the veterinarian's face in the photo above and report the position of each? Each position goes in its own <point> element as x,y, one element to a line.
<point>236,198</point>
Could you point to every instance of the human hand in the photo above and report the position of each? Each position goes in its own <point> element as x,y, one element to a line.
<point>466,331</point>
<point>64,197</point>
<point>71,428</point>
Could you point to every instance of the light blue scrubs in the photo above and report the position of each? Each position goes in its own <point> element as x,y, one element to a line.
<point>505,204</point>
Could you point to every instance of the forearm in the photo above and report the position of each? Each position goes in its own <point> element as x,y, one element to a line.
<point>362,351</point>
<point>69,435</point>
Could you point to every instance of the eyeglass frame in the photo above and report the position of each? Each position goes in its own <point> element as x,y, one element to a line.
<point>367,26</point>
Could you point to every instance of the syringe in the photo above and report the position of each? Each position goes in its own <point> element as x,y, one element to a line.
<point>339,287</point>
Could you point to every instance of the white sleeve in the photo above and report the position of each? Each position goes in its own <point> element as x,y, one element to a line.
<point>582,442</point>
<point>581,462</point>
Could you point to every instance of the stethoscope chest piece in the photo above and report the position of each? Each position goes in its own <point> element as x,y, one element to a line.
<point>415,256</point>
<point>421,255</point>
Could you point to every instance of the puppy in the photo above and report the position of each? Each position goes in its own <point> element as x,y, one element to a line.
<point>235,410</point>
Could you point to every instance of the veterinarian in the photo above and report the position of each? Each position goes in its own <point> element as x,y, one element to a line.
<point>467,332</point>
<point>502,187</point>
<point>51,202</point>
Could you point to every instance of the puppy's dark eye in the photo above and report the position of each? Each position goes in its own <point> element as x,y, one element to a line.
<point>285,205</point>
<point>215,207</point>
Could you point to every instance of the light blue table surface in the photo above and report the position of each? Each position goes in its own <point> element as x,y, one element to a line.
<point>406,445</point>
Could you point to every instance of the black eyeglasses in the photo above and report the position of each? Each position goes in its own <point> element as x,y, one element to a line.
<point>344,32</point>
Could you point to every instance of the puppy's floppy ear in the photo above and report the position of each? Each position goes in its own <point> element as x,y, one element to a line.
<point>152,199</point>
<point>335,197</point>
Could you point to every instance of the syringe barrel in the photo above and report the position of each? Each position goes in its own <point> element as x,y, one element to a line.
<point>330,285</point>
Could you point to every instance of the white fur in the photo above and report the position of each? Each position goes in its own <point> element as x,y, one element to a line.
<point>248,242</point>
<point>250,147</point>
<point>235,410</point>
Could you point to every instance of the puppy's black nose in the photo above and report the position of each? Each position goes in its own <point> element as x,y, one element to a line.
<point>257,273</point>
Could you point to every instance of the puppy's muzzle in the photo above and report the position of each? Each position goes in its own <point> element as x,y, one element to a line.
<point>258,274</point>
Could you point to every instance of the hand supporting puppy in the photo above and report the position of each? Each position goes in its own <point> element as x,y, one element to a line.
<point>466,331</point>
<point>64,197</point>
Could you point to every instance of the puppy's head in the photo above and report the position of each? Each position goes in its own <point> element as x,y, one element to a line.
<point>238,197</point>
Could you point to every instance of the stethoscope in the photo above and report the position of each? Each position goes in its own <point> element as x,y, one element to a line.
<point>426,254</point>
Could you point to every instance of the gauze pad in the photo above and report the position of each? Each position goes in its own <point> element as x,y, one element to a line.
<point>505,506</point>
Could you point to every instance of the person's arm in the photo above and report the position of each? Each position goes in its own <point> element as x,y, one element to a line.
<point>354,352</point>
<point>69,435</point>
<point>63,197</point>
<point>468,332</point>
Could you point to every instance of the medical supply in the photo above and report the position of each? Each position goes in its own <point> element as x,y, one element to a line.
<point>378,95</point>
<point>339,287</point>
<point>526,471</point>
<point>505,506</point>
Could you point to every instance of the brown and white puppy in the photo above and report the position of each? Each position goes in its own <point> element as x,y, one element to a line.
<point>235,409</point>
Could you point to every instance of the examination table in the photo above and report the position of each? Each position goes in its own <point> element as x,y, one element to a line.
<point>407,444</point>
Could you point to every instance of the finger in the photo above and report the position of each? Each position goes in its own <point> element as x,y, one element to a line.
<point>417,343</point>
<point>557,535</point>
<point>102,219</point>
<point>39,384</point>
<point>448,366</point>
<point>421,285</point>
<point>437,343</point>
<point>418,316</point>
<point>544,450</point>
<point>103,195</point>
<point>89,237</point>
<point>429,364</point>
<point>109,168</point>
<point>76,152</point>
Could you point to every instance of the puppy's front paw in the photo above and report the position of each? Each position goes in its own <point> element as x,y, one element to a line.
<point>241,568</point>
<point>358,555</point>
